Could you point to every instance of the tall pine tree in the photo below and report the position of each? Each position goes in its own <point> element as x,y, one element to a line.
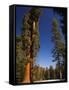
<point>59,46</point>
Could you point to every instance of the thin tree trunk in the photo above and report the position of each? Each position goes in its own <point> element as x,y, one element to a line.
<point>60,75</point>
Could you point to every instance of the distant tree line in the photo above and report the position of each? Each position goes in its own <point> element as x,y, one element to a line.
<point>40,73</point>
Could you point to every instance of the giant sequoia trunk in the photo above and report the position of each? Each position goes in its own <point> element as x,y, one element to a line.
<point>29,66</point>
<point>27,73</point>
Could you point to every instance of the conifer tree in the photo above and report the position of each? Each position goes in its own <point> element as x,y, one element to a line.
<point>59,46</point>
<point>30,38</point>
<point>51,71</point>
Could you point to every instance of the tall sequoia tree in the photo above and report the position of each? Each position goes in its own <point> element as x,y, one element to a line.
<point>30,39</point>
<point>59,46</point>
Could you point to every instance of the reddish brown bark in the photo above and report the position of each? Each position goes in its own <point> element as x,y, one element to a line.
<point>27,74</point>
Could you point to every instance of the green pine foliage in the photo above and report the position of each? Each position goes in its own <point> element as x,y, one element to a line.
<point>20,60</point>
<point>59,46</point>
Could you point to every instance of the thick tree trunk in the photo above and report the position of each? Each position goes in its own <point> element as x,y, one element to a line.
<point>27,73</point>
<point>28,69</point>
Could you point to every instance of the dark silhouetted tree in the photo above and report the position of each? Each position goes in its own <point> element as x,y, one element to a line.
<point>51,71</point>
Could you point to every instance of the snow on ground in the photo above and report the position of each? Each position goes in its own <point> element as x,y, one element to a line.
<point>48,80</point>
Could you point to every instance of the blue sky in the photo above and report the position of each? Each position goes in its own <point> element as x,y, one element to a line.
<point>44,57</point>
